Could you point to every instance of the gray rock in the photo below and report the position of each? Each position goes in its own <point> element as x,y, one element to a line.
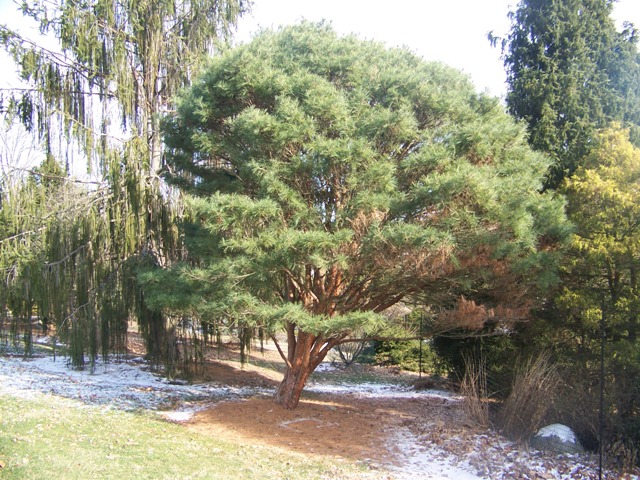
<point>557,438</point>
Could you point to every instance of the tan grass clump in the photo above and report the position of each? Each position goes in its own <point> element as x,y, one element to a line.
<point>531,396</point>
<point>474,390</point>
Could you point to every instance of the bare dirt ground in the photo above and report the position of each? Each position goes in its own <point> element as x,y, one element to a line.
<point>428,435</point>
<point>347,425</point>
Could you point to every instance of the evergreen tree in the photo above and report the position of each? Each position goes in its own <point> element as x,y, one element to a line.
<point>602,272</point>
<point>570,75</point>
<point>570,72</point>
<point>333,178</point>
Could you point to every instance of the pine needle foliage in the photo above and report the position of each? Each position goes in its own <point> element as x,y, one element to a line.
<point>332,178</point>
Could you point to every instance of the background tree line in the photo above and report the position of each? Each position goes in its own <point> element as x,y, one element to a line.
<point>575,82</point>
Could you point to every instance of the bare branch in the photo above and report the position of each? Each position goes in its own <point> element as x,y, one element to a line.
<point>57,177</point>
<point>284,357</point>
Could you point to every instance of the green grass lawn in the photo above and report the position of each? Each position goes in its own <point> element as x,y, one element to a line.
<point>53,438</point>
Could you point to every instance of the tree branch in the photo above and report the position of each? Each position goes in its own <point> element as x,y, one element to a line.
<point>284,357</point>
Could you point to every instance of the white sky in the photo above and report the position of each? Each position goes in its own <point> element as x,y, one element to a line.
<point>451,31</point>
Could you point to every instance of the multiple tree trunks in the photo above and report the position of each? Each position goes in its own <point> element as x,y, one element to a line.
<point>327,189</point>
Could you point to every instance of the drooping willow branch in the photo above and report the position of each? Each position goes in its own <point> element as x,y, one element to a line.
<point>63,178</point>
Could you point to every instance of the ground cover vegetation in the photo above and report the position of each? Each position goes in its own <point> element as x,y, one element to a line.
<point>354,423</point>
<point>307,182</point>
<point>47,435</point>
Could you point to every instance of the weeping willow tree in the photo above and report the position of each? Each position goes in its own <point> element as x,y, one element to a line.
<point>46,217</point>
<point>100,90</point>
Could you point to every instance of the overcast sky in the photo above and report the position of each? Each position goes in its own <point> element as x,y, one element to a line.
<point>452,31</point>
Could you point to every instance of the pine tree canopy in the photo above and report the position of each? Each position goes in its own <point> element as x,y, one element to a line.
<point>331,178</point>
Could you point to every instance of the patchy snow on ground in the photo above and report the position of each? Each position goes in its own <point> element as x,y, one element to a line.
<point>431,462</point>
<point>125,386</point>
<point>482,457</point>
<point>326,367</point>
<point>377,390</point>
<point>420,453</point>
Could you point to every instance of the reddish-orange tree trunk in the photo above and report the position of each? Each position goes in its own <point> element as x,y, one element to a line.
<point>290,389</point>
<point>305,352</point>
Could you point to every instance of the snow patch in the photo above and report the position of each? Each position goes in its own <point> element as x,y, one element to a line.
<point>126,386</point>
<point>564,433</point>
<point>432,462</point>
<point>379,390</point>
<point>326,367</point>
<point>177,416</point>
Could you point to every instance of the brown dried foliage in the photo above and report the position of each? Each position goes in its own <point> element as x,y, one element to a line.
<point>474,390</point>
<point>467,315</point>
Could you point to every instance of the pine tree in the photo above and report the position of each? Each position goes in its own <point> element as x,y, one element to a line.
<point>575,80</point>
<point>333,178</point>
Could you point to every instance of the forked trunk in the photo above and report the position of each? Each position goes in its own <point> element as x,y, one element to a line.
<point>305,352</point>
<point>289,391</point>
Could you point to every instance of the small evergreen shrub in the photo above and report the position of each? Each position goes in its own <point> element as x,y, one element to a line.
<point>406,355</point>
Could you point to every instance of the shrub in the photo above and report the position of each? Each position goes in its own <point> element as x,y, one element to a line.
<point>474,389</point>
<point>350,352</point>
<point>406,355</point>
